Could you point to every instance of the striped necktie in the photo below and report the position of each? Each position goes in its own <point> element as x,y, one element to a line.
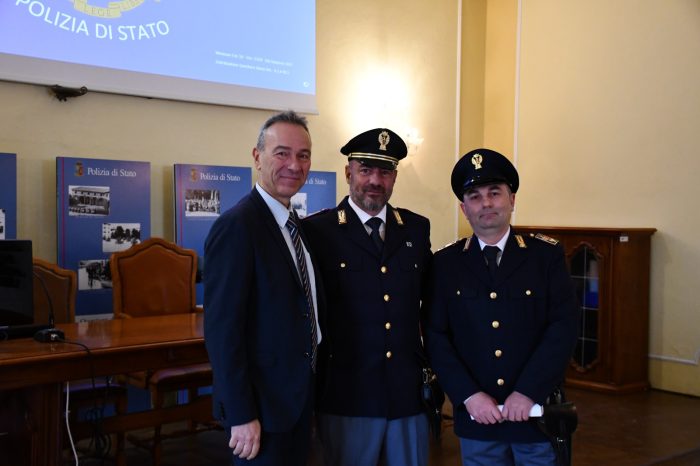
<point>304,275</point>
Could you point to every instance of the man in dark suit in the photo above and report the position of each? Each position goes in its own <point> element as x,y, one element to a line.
<point>374,259</point>
<point>502,320</point>
<point>261,308</point>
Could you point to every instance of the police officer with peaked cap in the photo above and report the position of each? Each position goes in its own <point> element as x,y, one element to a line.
<point>374,259</point>
<point>502,320</point>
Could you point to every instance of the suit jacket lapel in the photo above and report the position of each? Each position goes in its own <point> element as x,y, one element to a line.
<point>274,229</point>
<point>511,259</point>
<point>394,234</point>
<point>355,230</point>
<point>474,261</point>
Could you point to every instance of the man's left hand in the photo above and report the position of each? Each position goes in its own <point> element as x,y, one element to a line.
<point>517,407</point>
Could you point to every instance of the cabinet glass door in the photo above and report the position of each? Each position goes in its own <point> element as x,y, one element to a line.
<point>585,266</point>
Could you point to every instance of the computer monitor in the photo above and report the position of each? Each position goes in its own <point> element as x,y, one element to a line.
<point>16,283</point>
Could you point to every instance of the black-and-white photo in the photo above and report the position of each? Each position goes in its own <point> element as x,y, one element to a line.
<point>88,200</point>
<point>2,223</point>
<point>202,203</point>
<point>120,236</point>
<point>94,274</point>
<point>299,204</point>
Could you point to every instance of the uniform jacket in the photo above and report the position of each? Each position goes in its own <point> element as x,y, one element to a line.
<point>515,333</point>
<point>370,361</point>
<point>256,325</point>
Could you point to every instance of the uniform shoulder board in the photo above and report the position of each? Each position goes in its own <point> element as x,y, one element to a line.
<point>545,238</point>
<point>456,243</point>
<point>318,212</point>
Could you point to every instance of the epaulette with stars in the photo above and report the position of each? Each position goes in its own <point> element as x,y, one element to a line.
<point>545,238</point>
<point>467,239</point>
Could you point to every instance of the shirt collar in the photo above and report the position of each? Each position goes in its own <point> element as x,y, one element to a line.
<point>364,216</point>
<point>279,211</point>
<point>501,243</point>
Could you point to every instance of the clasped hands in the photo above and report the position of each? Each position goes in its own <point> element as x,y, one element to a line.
<point>484,409</point>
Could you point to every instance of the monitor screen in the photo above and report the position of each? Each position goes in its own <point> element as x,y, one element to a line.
<point>258,54</point>
<point>16,283</point>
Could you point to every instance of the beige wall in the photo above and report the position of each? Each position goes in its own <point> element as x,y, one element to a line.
<point>373,69</point>
<point>608,136</point>
<point>472,84</point>
<point>608,118</point>
<point>396,70</point>
<point>488,79</point>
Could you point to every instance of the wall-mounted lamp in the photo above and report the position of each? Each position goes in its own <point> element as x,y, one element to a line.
<point>413,140</point>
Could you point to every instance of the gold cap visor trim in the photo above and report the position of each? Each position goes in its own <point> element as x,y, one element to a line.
<point>365,155</point>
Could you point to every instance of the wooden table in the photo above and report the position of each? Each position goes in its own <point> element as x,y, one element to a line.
<point>32,373</point>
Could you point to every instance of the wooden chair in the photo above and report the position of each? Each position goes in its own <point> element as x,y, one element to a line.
<point>157,277</point>
<point>55,291</point>
<point>58,285</point>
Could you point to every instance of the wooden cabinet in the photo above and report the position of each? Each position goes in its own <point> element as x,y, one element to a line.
<point>610,270</point>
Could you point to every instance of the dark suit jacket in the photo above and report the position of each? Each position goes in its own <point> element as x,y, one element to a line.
<point>373,308</point>
<point>529,313</point>
<point>256,325</point>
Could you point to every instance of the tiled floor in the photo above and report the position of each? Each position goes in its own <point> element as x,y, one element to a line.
<point>647,428</point>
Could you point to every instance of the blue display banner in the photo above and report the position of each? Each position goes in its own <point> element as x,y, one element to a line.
<point>102,207</point>
<point>202,193</point>
<point>8,196</point>
<point>318,193</point>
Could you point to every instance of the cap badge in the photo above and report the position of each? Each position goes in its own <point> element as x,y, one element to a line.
<point>476,161</point>
<point>342,219</point>
<point>384,139</point>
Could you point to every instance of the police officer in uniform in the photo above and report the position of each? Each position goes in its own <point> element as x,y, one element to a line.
<point>373,260</point>
<point>502,320</point>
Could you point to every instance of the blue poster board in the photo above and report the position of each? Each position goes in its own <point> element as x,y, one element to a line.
<point>8,196</point>
<point>318,193</point>
<point>102,206</point>
<point>202,193</point>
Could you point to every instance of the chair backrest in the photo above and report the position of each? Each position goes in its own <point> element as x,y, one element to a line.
<point>58,285</point>
<point>154,277</point>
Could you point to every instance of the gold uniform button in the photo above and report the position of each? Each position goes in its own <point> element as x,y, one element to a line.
<point>388,354</point>
<point>342,265</point>
<point>383,269</point>
<point>387,326</point>
<point>386,298</point>
<point>528,292</point>
<point>495,324</point>
<point>498,353</point>
<point>493,295</point>
<point>500,382</point>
